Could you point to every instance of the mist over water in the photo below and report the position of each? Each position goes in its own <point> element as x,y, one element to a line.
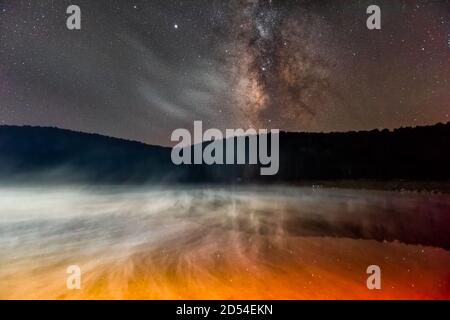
<point>242,242</point>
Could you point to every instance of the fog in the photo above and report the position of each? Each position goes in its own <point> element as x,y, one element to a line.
<point>217,242</point>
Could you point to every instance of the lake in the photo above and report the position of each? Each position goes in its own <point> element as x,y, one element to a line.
<point>203,242</point>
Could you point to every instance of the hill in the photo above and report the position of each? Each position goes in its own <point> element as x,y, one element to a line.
<point>52,154</point>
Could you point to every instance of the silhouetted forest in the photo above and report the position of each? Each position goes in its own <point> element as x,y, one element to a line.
<point>50,154</point>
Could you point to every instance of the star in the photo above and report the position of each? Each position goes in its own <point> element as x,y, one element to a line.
<point>253,61</point>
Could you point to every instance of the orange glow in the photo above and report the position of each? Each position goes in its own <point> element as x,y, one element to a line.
<point>305,268</point>
<point>215,243</point>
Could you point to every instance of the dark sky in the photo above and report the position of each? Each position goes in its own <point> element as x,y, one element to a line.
<point>140,69</point>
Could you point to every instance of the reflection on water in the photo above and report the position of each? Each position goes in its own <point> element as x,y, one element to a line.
<point>202,243</point>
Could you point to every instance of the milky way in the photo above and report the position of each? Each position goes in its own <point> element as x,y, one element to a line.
<point>278,65</point>
<point>290,69</point>
<point>140,69</point>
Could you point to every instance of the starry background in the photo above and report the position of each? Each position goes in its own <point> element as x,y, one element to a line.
<point>140,69</point>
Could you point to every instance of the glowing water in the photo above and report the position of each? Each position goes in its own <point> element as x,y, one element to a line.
<point>249,242</point>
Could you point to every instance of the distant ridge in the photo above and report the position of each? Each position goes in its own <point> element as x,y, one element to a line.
<point>52,154</point>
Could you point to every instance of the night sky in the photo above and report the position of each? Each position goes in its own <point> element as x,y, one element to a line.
<point>140,69</point>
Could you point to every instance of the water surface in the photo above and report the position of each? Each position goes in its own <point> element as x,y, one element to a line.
<point>224,243</point>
